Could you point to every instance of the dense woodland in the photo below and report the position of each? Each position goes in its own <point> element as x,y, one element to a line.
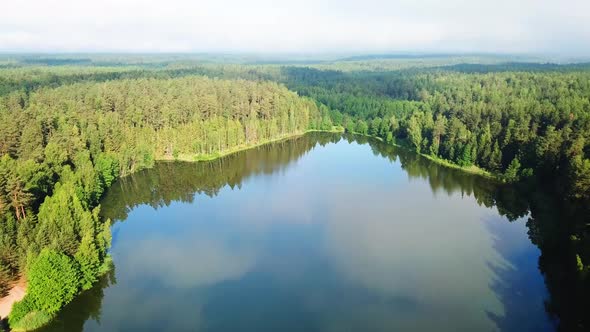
<point>68,132</point>
<point>62,147</point>
<point>513,124</point>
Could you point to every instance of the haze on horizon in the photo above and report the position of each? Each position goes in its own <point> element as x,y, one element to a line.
<point>305,26</point>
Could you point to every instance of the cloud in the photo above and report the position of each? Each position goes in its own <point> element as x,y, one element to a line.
<point>306,26</point>
<point>404,252</point>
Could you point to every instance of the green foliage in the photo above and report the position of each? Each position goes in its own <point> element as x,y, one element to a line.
<point>350,126</point>
<point>512,173</point>
<point>89,261</point>
<point>53,282</point>
<point>580,177</point>
<point>362,127</point>
<point>31,321</point>
<point>326,123</point>
<point>375,127</point>
<point>106,266</point>
<point>415,133</point>
<point>108,169</point>
<point>20,309</point>
<point>465,159</point>
<point>389,138</point>
<point>54,279</point>
<point>63,218</point>
<point>495,160</point>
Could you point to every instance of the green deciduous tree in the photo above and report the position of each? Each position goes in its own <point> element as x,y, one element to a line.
<point>53,281</point>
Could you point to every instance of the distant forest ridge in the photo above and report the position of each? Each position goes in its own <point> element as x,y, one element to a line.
<point>8,60</point>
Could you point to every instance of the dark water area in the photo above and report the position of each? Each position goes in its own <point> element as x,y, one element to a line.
<point>324,233</point>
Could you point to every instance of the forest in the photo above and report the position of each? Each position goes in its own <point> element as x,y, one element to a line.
<point>68,130</point>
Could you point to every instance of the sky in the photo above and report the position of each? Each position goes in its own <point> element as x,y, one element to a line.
<point>302,26</point>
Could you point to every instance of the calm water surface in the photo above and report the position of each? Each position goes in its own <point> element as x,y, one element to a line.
<point>319,233</point>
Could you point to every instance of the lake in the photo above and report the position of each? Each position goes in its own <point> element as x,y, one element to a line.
<point>318,233</point>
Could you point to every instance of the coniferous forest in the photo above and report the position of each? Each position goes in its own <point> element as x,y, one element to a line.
<point>69,128</point>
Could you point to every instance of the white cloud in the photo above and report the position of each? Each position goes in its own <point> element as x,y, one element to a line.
<point>296,26</point>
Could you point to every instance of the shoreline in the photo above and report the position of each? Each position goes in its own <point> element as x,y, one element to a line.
<point>336,130</point>
<point>443,162</point>
<point>216,155</point>
<point>467,169</point>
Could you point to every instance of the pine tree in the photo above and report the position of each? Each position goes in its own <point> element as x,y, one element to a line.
<point>495,163</point>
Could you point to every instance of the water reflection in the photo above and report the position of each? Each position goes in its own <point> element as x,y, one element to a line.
<point>314,234</point>
<point>177,181</point>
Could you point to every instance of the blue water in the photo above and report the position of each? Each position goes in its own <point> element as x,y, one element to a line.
<point>338,236</point>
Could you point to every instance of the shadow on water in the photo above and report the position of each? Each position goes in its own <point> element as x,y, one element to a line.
<point>517,292</point>
<point>554,227</point>
<point>564,303</point>
<point>549,224</point>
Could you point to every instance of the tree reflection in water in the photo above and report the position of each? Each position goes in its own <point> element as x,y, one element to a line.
<point>550,223</point>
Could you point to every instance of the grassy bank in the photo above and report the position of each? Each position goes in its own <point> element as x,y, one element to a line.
<point>472,169</point>
<point>469,169</point>
<point>239,148</point>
